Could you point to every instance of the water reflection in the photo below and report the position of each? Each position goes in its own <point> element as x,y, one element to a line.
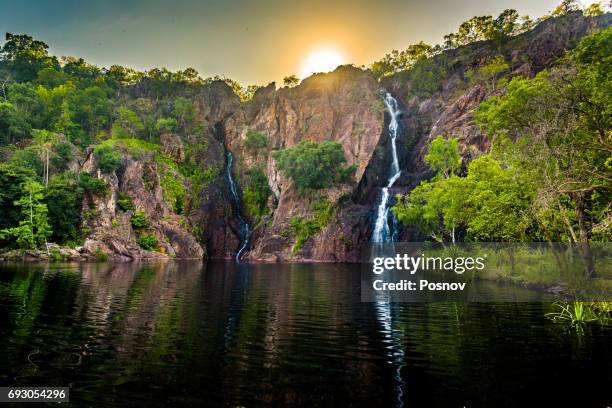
<point>220,334</point>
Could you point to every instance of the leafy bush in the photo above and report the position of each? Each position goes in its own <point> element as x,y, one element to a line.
<point>489,73</point>
<point>174,192</point>
<point>107,158</point>
<point>255,141</point>
<point>426,77</point>
<point>314,165</point>
<point>166,125</point>
<point>303,228</point>
<point>443,156</point>
<point>147,242</point>
<point>12,177</point>
<point>124,202</point>
<point>139,220</point>
<point>128,124</point>
<point>64,201</point>
<point>92,185</point>
<point>256,193</point>
<point>34,228</point>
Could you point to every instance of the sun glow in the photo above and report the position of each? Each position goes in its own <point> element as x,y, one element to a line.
<point>321,61</point>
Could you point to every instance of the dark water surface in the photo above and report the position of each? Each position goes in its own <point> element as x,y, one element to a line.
<point>218,334</point>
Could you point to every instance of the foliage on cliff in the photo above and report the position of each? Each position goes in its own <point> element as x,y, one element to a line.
<point>314,166</point>
<point>56,112</point>
<point>548,175</point>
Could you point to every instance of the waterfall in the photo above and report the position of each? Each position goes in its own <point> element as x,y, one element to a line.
<point>382,232</point>
<point>245,229</point>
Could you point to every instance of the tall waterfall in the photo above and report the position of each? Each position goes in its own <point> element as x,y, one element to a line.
<point>245,229</point>
<point>382,232</point>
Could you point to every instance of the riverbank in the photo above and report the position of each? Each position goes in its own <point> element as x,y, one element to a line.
<point>57,253</point>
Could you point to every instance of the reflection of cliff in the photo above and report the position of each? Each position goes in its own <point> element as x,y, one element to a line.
<point>287,326</point>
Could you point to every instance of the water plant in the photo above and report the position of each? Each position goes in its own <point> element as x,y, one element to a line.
<point>574,313</point>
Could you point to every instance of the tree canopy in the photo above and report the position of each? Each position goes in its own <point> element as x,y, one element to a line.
<point>314,165</point>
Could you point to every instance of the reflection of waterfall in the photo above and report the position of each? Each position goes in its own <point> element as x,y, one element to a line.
<point>245,229</point>
<point>394,346</point>
<point>382,232</point>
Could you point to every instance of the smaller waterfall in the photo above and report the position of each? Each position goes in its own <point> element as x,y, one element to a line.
<point>382,232</point>
<point>245,229</point>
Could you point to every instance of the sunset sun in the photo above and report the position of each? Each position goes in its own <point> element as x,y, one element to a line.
<point>321,61</point>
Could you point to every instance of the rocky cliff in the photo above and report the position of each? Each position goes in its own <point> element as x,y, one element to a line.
<point>344,106</point>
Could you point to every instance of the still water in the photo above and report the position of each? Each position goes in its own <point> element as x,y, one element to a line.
<point>219,334</point>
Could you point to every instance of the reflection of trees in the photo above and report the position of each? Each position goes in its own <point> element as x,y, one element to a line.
<point>290,325</point>
<point>26,295</point>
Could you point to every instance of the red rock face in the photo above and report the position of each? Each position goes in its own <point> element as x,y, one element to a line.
<point>344,106</point>
<point>110,229</point>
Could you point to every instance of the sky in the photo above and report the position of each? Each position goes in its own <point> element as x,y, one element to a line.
<point>252,41</point>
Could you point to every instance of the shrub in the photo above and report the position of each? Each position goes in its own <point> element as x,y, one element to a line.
<point>124,202</point>
<point>174,192</point>
<point>256,193</point>
<point>303,228</point>
<point>139,220</point>
<point>100,255</point>
<point>64,202</point>
<point>92,185</point>
<point>107,158</point>
<point>314,165</point>
<point>166,125</point>
<point>147,242</point>
<point>255,141</point>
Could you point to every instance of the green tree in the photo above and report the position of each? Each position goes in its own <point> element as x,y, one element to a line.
<point>184,112</point>
<point>44,142</point>
<point>80,69</point>
<point>64,199</point>
<point>489,73</point>
<point>566,7</point>
<point>443,156</point>
<point>497,208</point>
<point>127,124</point>
<point>557,126</point>
<point>12,178</point>
<point>314,165</point>
<point>490,204</point>
<point>398,61</point>
<point>51,77</point>
<point>255,142</point>
<point>593,10</point>
<point>107,158</point>
<point>256,192</point>
<point>291,80</point>
<point>27,103</point>
<point>437,208</point>
<point>25,56</point>
<point>33,229</point>
<point>139,220</point>
<point>145,109</point>
<point>13,126</point>
<point>147,242</point>
<point>166,125</point>
<point>92,109</point>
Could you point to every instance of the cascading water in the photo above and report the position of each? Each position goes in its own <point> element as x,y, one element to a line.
<point>382,232</point>
<point>245,229</point>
